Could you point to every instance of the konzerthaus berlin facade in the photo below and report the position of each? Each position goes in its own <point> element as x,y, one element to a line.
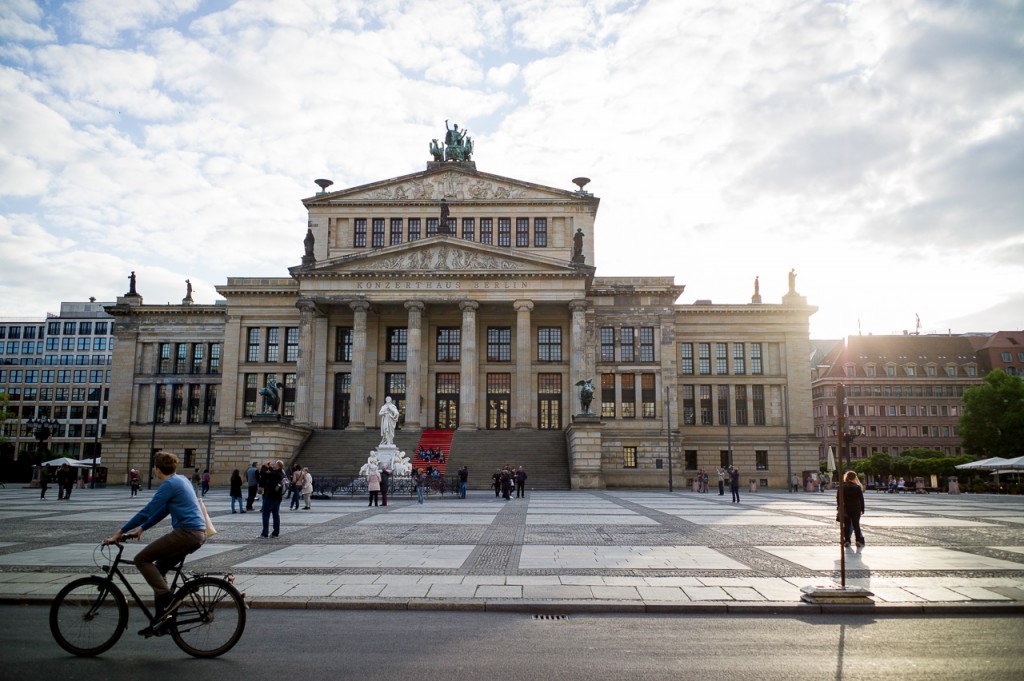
<point>479,313</point>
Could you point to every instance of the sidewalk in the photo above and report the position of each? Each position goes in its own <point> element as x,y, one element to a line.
<point>559,552</point>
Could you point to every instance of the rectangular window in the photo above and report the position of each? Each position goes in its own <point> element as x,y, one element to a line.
<point>686,359</point>
<point>739,360</point>
<point>627,344</point>
<point>79,376</point>
<point>469,229</point>
<point>83,344</point>
<point>343,344</point>
<point>723,404</point>
<point>65,344</point>
<point>250,393</point>
<point>549,344</point>
<point>628,396</point>
<point>540,232</point>
<point>52,329</point>
<point>288,395</point>
<point>689,406</point>
<point>449,344</point>
<point>499,344</point>
<point>757,392</point>
<point>761,459</point>
<point>486,230</point>
<point>359,233</point>
<point>431,227</point>
<point>252,351</point>
<point>607,344</point>
<point>629,457</point>
<point>395,235</point>
<point>273,341</point>
<point>704,358</point>
<point>690,459</point>
<point>608,396</point>
<point>398,344</point>
<point>549,401</point>
<point>452,226</point>
<point>755,359</point>
<point>96,376</point>
<point>177,402</point>
<point>741,405</point>
<point>291,347</point>
<point>51,344</point>
<point>377,233</point>
<point>84,329</point>
<point>99,343</point>
<point>214,358</point>
<point>705,406</point>
<point>646,343</point>
<point>195,403</point>
<point>648,395</point>
<point>32,375</point>
<point>164,360</point>
<point>721,358</point>
<point>100,329</point>
<point>69,330</point>
<point>210,404</point>
<point>522,232</point>
<point>504,231</point>
<point>414,229</point>
<point>48,375</point>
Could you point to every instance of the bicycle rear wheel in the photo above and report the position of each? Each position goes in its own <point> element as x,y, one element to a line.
<point>210,619</point>
<point>88,616</point>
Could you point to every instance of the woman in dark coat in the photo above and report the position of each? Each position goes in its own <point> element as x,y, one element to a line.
<point>236,491</point>
<point>853,507</point>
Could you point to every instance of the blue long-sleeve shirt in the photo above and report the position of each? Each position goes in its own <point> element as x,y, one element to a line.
<point>176,497</point>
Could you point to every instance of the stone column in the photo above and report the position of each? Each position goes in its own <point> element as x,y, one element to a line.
<point>577,352</point>
<point>467,392</point>
<point>413,390</point>
<point>304,365</point>
<point>357,418</point>
<point>524,395</point>
<point>231,397</point>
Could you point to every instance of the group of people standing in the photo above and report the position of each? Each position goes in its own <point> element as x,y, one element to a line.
<point>378,482</point>
<point>728,473</point>
<point>506,480</point>
<point>272,483</point>
<point>65,478</point>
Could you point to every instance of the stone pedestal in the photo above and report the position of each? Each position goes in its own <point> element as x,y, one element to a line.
<point>273,437</point>
<point>584,440</point>
<point>386,454</point>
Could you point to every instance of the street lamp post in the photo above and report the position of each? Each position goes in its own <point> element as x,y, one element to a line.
<point>42,430</point>
<point>668,430</point>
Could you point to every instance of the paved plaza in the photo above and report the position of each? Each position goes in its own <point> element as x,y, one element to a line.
<point>626,551</point>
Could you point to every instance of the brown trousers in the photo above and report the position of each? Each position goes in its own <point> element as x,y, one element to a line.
<point>162,554</point>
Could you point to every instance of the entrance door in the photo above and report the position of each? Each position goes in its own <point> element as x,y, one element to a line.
<point>499,391</point>
<point>549,401</point>
<point>446,397</point>
<point>342,400</point>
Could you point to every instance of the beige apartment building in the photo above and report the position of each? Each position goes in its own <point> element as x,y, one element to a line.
<point>472,301</point>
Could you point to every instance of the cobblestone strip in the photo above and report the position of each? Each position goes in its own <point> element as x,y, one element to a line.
<point>501,544</point>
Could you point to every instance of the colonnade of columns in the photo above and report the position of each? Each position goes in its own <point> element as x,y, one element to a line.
<point>313,348</point>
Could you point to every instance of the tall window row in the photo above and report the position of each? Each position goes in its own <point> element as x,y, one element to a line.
<point>633,344</point>
<point>250,391</point>
<point>188,358</point>
<point>378,232</point>
<point>263,344</point>
<point>709,405</point>
<point>701,358</point>
<point>447,343</point>
<point>626,406</point>
<point>184,403</point>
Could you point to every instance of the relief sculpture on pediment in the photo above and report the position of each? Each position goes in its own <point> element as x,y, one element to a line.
<point>444,258</point>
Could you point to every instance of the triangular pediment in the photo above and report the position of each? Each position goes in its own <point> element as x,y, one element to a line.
<point>454,182</point>
<point>447,254</point>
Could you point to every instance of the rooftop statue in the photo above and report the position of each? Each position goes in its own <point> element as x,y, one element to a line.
<point>458,146</point>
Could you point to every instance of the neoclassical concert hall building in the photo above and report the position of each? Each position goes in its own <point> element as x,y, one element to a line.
<point>473,301</point>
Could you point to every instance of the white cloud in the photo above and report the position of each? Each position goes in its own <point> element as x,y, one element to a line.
<point>20,21</point>
<point>875,147</point>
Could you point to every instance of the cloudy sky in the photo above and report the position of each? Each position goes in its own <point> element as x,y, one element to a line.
<point>875,147</point>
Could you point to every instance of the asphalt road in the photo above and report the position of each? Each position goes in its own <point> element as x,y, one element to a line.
<point>372,645</point>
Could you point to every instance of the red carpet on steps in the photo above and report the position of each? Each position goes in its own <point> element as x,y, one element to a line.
<point>434,439</point>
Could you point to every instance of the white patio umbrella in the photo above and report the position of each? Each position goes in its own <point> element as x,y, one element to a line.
<point>991,463</point>
<point>830,464</point>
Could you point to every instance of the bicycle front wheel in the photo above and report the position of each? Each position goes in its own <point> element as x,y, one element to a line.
<point>88,616</point>
<point>210,619</point>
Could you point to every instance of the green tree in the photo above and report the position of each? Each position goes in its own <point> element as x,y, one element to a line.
<point>992,423</point>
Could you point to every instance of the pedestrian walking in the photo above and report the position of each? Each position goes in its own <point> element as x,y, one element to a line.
<point>506,484</point>
<point>734,484</point>
<point>373,484</point>
<point>463,481</point>
<point>236,491</point>
<point>44,481</point>
<point>385,484</point>
<point>272,481</point>
<point>297,479</point>
<point>134,481</point>
<point>496,483</point>
<point>520,482</point>
<point>206,481</point>
<point>252,480</point>
<point>853,507</point>
<point>704,482</point>
<point>420,480</point>
<point>721,480</point>
<point>66,481</point>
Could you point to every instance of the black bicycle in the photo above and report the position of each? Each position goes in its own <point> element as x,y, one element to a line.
<point>206,617</point>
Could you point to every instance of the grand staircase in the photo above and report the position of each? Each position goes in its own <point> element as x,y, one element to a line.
<point>541,452</point>
<point>434,440</point>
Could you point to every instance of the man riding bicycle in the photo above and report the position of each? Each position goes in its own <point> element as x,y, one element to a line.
<point>176,497</point>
